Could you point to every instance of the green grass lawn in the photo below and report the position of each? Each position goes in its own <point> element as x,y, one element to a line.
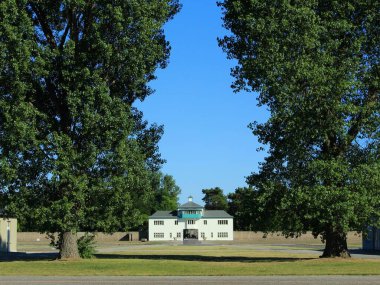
<point>196,260</point>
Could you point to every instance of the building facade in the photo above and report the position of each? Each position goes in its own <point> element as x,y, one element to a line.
<point>190,221</point>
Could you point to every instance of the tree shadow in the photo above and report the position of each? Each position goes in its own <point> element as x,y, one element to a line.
<point>23,256</point>
<point>201,258</point>
<point>364,252</point>
<point>359,251</point>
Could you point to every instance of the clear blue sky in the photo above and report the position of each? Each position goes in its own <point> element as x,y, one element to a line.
<point>207,142</point>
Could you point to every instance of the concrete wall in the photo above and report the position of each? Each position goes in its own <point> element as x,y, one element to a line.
<point>238,236</point>
<point>257,237</point>
<point>99,237</point>
<point>172,231</point>
<point>8,235</point>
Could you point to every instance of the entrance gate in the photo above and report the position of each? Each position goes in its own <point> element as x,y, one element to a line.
<point>190,234</point>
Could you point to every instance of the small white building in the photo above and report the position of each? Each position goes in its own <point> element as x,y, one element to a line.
<point>190,222</point>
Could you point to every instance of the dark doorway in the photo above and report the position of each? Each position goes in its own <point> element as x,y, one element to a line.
<point>190,234</point>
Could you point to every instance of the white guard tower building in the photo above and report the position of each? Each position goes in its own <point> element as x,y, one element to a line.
<point>190,222</point>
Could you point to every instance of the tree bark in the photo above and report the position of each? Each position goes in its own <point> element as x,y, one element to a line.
<point>69,246</point>
<point>336,245</point>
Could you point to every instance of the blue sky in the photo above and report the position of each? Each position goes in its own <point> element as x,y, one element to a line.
<point>207,142</point>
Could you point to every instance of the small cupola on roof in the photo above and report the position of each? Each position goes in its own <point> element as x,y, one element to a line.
<point>190,210</point>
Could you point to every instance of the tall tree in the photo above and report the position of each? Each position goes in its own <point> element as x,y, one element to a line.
<point>214,199</point>
<point>316,67</point>
<point>166,192</point>
<point>74,154</point>
<point>242,206</point>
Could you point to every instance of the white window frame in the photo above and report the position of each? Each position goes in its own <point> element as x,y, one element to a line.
<point>159,235</point>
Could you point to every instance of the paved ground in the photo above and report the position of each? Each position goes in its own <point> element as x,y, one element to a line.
<point>289,248</point>
<point>45,251</point>
<point>239,280</point>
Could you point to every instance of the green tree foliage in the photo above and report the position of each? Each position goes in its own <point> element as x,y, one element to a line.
<point>241,205</point>
<point>86,246</point>
<point>166,192</point>
<point>214,199</point>
<point>74,153</point>
<point>315,65</point>
<point>2,203</point>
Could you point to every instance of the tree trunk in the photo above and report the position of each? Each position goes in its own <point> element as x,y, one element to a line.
<point>69,246</point>
<point>336,245</point>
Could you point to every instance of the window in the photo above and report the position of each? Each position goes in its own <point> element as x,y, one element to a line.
<point>171,235</point>
<point>203,235</point>
<point>223,235</point>
<point>190,222</point>
<point>158,223</point>
<point>212,235</point>
<point>158,235</point>
<point>179,235</point>
<point>192,212</point>
<point>222,222</point>
<point>176,222</point>
<point>205,222</point>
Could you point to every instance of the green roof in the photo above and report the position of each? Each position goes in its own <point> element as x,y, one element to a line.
<point>164,215</point>
<point>190,205</point>
<point>207,214</point>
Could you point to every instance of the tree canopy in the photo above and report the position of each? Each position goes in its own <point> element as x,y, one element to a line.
<point>315,66</point>
<point>214,199</point>
<point>242,206</point>
<point>166,192</point>
<point>74,153</point>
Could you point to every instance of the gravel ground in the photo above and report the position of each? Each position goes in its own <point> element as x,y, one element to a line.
<point>316,249</point>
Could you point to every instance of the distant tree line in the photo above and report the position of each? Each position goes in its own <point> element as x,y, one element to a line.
<point>241,204</point>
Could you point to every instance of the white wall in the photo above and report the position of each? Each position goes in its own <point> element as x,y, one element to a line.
<point>8,243</point>
<point>211,229</point>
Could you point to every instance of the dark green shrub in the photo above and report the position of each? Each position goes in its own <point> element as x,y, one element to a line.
<point>86,246</point>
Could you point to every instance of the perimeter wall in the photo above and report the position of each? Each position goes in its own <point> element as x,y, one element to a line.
<point>239,236</point>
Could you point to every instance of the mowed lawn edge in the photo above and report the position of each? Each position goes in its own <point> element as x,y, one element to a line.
<point>203,261</point>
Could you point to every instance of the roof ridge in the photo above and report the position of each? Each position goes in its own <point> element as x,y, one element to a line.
<point>190,204</point>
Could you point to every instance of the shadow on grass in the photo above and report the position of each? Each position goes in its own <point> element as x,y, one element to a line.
<point>201,258</point>
<point>365,252</point>
<point>358,251</point>
<point>23,256</point>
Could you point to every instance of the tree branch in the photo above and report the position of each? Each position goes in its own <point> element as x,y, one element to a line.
<point>75,29</point>
<point>44,25</point>
<point>63,38</point>
<point>367,107</point>
<point>88,18</point>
